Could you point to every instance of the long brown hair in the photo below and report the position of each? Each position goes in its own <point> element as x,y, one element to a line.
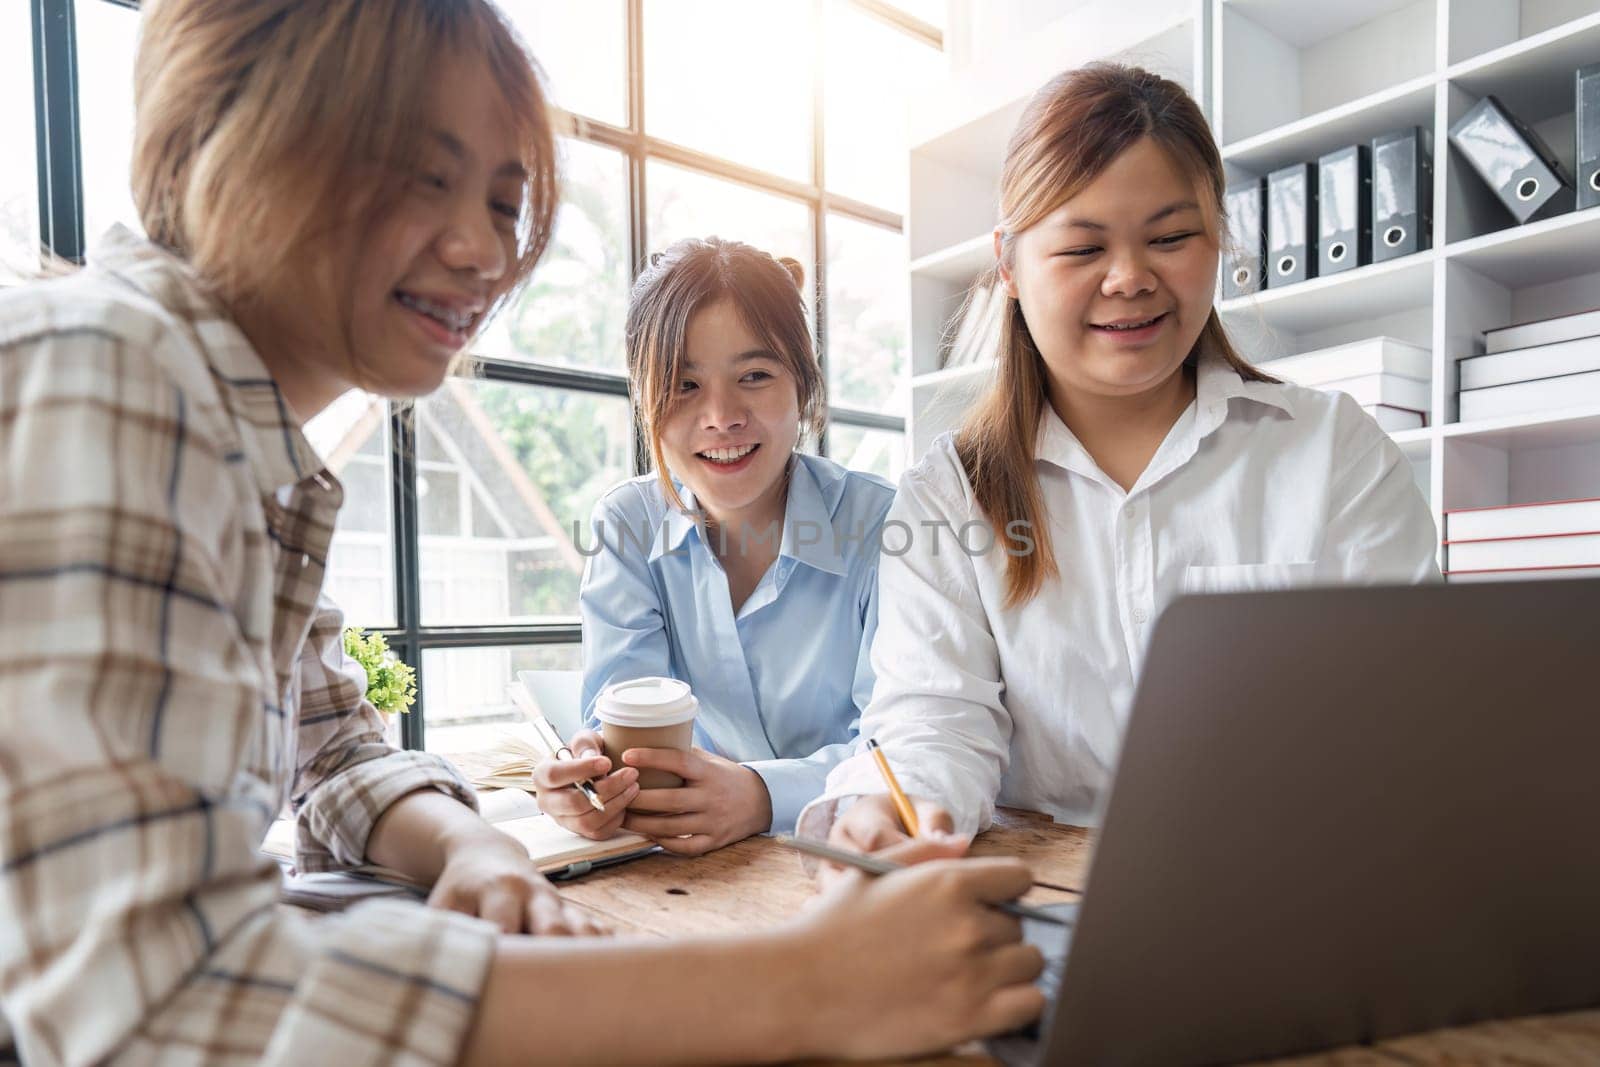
<point>696,273</point>
<point>1070,132</point>
<point>266,130</point>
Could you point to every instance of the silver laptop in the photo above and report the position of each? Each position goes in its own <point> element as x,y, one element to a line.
<point>1340,815</point>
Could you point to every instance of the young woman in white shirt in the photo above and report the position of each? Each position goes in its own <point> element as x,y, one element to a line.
<point>1125,454</point>
<point>337,195</point>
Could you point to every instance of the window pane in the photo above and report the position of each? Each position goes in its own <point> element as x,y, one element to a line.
<point>584,51</point>
<point>867,316</point>
<point>352,436</point>
<point>506,475</point>
<point>19,182</point>
<point>710,87</point>
<point>872,73</point>
<point>107,35</point>
<point>464,692</point>
<point>574,309</point>
<point>880,452</point>
<point>683,204</point>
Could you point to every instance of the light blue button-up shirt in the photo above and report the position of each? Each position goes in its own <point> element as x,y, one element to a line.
<point>782,684</point>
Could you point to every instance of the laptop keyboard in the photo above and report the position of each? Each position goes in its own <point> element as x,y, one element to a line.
<point>1053,941</point>
<point>1021,1047</point>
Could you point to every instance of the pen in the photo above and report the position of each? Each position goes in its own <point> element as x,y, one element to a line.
<point>552,740</point>
<point>873,865</point>
<point>902,803</point>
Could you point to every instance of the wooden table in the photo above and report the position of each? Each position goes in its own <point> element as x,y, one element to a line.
<point>758,883</point>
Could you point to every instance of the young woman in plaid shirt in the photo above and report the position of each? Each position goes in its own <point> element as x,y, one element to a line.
<point>337,195</point>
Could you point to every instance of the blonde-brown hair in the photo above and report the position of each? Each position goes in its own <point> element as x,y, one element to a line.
<point>1069,133</point>
<point>693,274</point>
<point>269,129</point>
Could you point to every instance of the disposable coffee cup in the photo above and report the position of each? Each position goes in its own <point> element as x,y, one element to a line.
<point>647,713</point>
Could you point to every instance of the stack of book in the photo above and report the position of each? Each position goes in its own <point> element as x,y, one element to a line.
<point>1560,539</point>
<point>1536,366</point>
<point>1388,378</point>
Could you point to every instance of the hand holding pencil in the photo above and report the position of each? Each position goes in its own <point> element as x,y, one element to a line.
<point>876,822</point>
<point>556,780</point>
<point>573,785</point>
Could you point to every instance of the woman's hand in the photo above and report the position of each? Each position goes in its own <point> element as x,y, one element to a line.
<point>916,961</point>
<point>720,801</point>
<point>553,780</point>
<point>488,874</point>
<point>871,823</point>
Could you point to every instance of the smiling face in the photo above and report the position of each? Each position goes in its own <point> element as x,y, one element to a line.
<point>448,249</point>
<point>734,420</point>
<point>1116,284</point>
<point>420,278</point>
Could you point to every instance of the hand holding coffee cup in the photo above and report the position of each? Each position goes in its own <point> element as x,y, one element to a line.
<point>647,713</point>
<point>554,777</point>
<point>720,802</point>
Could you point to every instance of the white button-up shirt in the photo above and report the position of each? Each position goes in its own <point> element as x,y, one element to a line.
<point>1256,486</point>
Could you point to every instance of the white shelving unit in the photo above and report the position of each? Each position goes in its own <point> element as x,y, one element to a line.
<point>1284,81</point>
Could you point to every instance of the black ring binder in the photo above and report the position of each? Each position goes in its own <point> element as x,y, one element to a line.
<point>1514,161</point>
<point>1402,194</point>
<point>1344,208</point>
<point>1247,234</point>
<point>1292,222</point>
<point>1587,106</point>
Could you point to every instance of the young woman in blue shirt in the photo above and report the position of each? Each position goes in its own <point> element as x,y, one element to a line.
<point>742,566</point>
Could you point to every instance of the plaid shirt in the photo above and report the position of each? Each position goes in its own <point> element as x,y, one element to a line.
<point>169,678</point>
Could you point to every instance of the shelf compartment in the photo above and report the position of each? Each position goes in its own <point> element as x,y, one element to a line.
<point>1546,429</point>
<point>959,263</point>
<point>1367,293</point>
<point>1290,61</point>
<point>1519,72</point>
<point>1535,254</point>
<point>1415,444</point>
<point>1409,104</point>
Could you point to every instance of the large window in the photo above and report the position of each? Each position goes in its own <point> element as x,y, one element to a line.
<point>733,79</point>
<point>574,308</point>
<point>583,47</point>
<point>105,93</point>
<point>687,203</point>
<point>779,123</point>
<point>19,190</point>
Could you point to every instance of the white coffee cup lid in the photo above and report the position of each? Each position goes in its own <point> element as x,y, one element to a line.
<point>646,702</point>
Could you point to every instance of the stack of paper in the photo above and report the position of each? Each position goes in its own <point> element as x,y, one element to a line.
<point>1389,378</point>
<point>1559,539</point>
<point>1552,363</point>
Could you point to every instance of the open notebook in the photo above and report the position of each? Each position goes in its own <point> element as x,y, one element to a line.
<point>508,763</point>
<point>558,852</point>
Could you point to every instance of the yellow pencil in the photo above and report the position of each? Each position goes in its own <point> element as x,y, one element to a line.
<point>902,803</point>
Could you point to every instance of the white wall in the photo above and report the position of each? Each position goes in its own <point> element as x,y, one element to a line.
<point>977,29</point>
